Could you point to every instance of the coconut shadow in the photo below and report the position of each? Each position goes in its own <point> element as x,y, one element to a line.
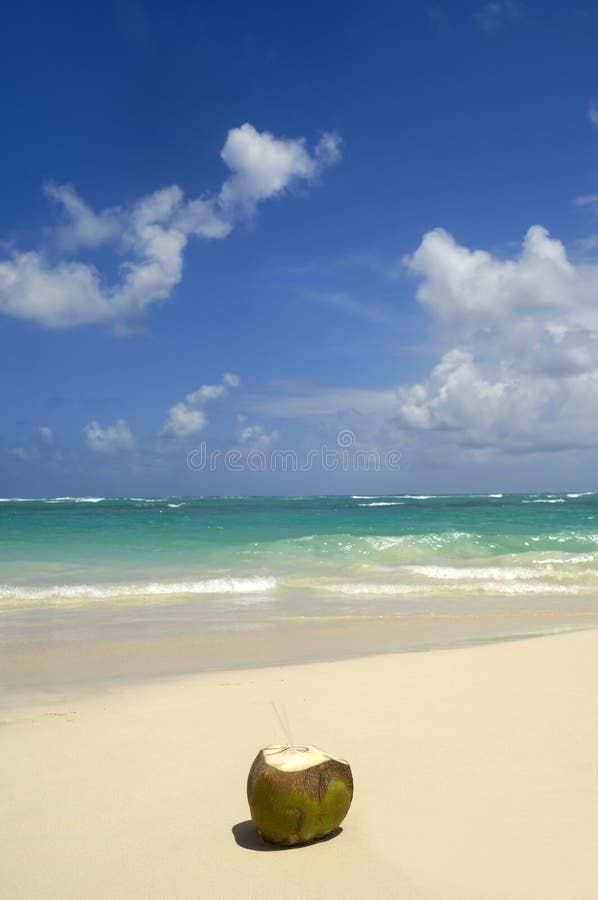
<point>247,837</point>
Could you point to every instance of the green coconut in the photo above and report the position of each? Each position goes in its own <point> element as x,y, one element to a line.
<point>298,794</point>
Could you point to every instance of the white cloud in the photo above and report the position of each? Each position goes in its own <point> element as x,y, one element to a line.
<point>67,294</point>
<point>264,166</point>
<point>151,235</point>
<point>184,420</point>
<point>207,392</point>
<point>256,434</point>
<point>517,369</point>
<point>523,368</point>
<point>83,227</point>
<point>109,439</point>
<point>46,434</point>
<point>187,417</point>
<point>202,218</point>
<point>593,111</point>
<point>57,296</point>
<point>536,301</point>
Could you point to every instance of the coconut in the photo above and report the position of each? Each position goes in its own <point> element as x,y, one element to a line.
<point>298,794</point>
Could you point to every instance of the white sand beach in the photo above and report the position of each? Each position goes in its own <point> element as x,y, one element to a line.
<point>476,778</point>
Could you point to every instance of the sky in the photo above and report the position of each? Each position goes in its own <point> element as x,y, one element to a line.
<point>257,249</point>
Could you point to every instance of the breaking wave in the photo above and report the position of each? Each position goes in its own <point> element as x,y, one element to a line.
<point>74,593</point>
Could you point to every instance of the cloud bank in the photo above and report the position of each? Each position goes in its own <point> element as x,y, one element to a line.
<point>150,235</point>
<point>522,371</point>
<point>517,365</point>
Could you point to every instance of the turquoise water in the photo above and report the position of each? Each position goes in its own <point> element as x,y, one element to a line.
<point>303,555</point>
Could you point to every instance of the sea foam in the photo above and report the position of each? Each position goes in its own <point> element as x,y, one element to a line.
<point>96,592</point>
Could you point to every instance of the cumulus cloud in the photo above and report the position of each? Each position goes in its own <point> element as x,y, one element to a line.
<point>109,439</point>
<point>150,235</point>
<point>184,420</point>
<point>255,434</point>
<point>264,166</point>
<point>522,370</point>
<point>187,417</point>
<point>81,227</point>
<point>516,370</point>
<point>46,434</point>
<point>68,293</point>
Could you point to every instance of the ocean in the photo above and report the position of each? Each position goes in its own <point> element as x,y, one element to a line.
<point>255,560</point>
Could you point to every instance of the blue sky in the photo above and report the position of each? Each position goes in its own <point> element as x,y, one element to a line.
<point>253,229</point>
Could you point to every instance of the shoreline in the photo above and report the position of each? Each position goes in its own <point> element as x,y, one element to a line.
<point>475,779</point>
<point>88,649</point>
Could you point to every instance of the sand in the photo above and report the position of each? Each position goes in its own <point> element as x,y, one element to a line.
<point>476,778</point>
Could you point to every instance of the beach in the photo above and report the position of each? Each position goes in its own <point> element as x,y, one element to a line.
<point>298,452</point>
<point>447,646</point>
<point>475,768</point>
